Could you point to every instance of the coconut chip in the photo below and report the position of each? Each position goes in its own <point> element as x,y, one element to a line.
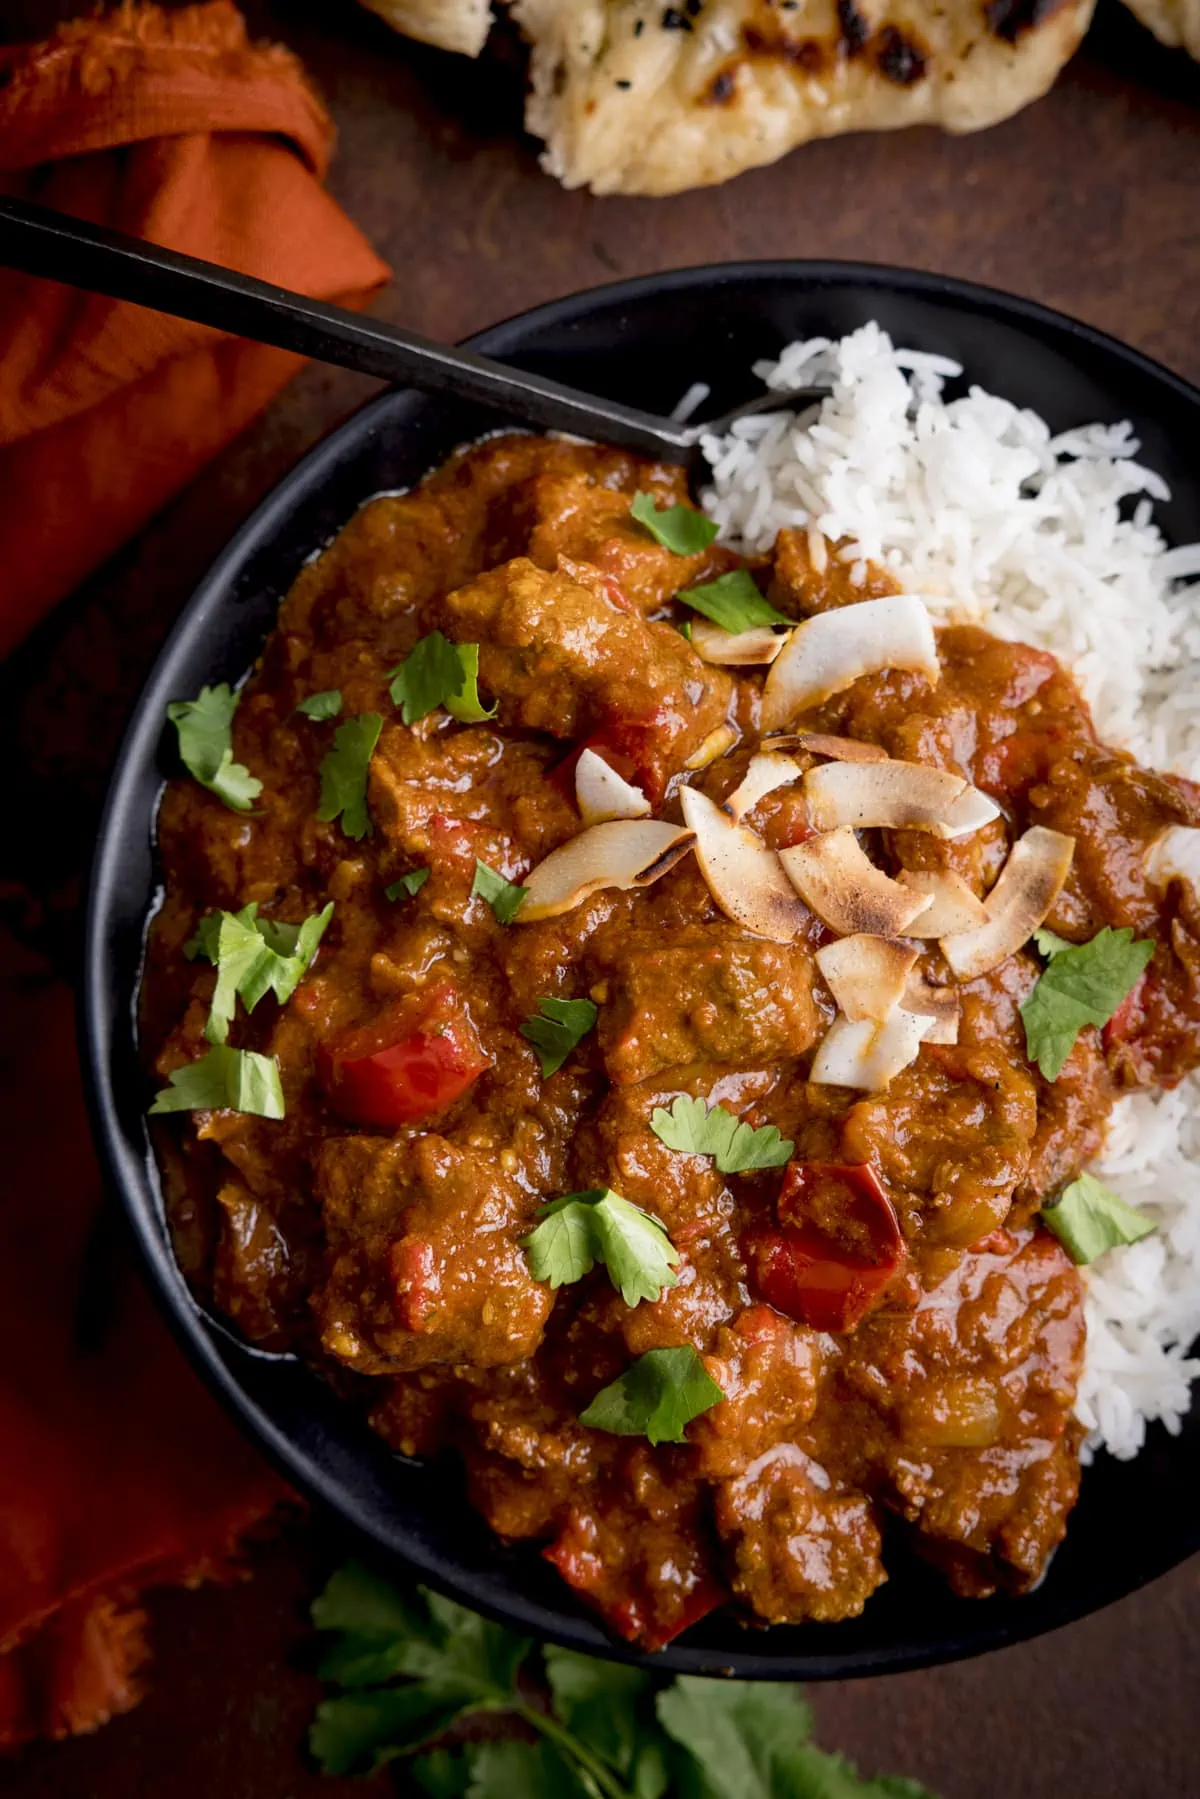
<point>953,905</point>
<point>766,772</point>
<point>868,1055</point>
<point>866,975</point>
<point>900,796</point>
<point>941,1005</point>
<point>829,652</point>
<point>838,881</point>
<point>1028,886</point>
<point>624,853</point>
<point>742,874</point>
<point>736,649</point>
<point>601,793</point>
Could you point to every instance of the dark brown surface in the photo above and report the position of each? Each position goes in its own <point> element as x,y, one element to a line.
<point>1086,201</point>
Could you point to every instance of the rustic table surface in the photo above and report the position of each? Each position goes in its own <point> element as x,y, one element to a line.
<point>1088,201</point>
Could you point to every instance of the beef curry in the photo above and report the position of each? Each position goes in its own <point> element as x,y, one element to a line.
<point>555,1168</point>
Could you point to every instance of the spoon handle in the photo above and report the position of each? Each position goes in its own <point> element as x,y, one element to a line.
<point>38,241</point>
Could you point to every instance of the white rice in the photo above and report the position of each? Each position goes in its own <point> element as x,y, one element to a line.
<point>976,506</point>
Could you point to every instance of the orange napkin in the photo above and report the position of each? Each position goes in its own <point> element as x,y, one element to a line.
<point>174,127</point>
<point>117,1469</point>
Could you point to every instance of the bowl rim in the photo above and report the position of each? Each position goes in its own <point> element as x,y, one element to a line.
<point>196,1333</point>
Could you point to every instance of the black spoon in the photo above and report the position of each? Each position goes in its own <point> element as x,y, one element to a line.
<point>37,241</point>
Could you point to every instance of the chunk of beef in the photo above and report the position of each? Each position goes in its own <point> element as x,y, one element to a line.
<point>567,660</point>
<point>425,1260</point>
<point>716,996</point>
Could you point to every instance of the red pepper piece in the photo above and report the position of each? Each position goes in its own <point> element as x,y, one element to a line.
<point>837,1249</point>
<point>622,1595</point>
<point>417,1281</point>
<point>1129,1017</point>
<point>410,1063</point>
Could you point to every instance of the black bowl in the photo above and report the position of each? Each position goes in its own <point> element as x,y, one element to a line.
<point>642,341</point>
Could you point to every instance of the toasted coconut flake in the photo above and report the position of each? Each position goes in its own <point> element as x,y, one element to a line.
<point>828,653</point>
<point>715,744</point>
<point>866,975</point>
<point>1174,856</point>
<point>743,875</point>
<point>736,649</point>
<point>900,796</point>
<point>1028,886</point>
<point>839,882</point>
<point>601,793</point>
<point>941,1005</point>
<point>833,749</point>
<point>954,906</point>
<point>868,1055</point>
<point>765,773</point>
<point>624,853</point>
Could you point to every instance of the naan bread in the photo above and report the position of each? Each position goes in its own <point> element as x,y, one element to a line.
<point>1175,22</point>
<point>460,25</point>
<point>642,97</point>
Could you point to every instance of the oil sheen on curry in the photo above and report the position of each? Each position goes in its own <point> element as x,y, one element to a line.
<point>641,1019</point>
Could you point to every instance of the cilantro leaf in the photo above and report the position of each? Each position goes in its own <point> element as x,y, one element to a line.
<point>344,774</point>
<point>465,703</point>
<point>680,529</point>
<point>656,1397</point>
<point>607,1707</point>
<point>439,673</point>
<point>1088,1218</point>
<point>408,884</point>
<point>442,1774</point>
<point>508,1769</point>
<point>205,728</point>
<point>733,602</point>
<point>563,1024</point>
<point>360,1732</point>
<point>702,1130</point>
<point>1049,942</point>
<point>1081,984</point>
<point>582,1229</point>
<point>320,706</point>
<point>236,1080</point>
<point>504,897</point>
<point>741,1735</point>
<point>254,956</point>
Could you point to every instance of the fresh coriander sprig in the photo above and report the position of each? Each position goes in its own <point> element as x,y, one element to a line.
<point>657,1397</point>
<point>407,885</point>
<point>561,1025</point>
<point>320,706</point>
<point>582,1229</point>
<point>504,897</point>
<point>680,529</point>
<point>205,728</point>
<point>344,774</point>
<point>236,1079</point>
<point>702,1130</point>
<point>1088,1218</point>
<point>413,1666</point>
<point>1081,984</point>
<point>253,957</point>
<point>733,602</point>
<point>436,673</point>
